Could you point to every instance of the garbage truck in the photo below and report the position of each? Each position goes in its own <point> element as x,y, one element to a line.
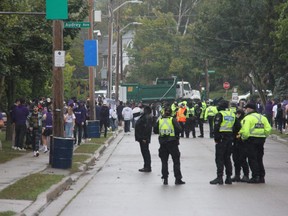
<point>165,89</point>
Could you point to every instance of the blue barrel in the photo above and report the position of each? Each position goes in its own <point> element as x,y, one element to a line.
<point>62,152</point>
<point>93,129</point>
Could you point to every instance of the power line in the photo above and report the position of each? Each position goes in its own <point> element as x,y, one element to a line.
<point>22,13</point>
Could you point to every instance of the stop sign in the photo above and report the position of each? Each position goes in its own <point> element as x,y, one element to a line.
<point>226,85</point>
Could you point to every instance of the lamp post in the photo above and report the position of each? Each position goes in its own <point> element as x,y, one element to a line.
<point>118,54</point>
<point>110,38</point>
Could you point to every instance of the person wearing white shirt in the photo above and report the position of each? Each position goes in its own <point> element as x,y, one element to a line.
<point>127,116</point>
<point>69,119</point>
<point>274,110</point>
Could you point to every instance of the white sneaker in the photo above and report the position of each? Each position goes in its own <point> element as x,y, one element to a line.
<point>37,153</point>
<point>34,153</point>
<point>14,147</point>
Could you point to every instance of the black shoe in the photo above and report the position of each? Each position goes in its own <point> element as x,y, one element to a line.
<point>179,182</point>
<point>228,180</point>
<point>254,180</point>
<point>145,170</point>
<point>201,136</point>
<point>262,180</point>
<point>236,178</point>
<point>218,180</point>
<point>245,178</point>
<point>165,181</point>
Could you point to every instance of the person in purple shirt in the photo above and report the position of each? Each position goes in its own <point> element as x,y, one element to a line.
<point>268,111</point>
<point>20,114</point>
<point>80,114</point>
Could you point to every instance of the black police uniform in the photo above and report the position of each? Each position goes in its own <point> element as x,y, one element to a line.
<point>223,149</point>
<point>169,146</point>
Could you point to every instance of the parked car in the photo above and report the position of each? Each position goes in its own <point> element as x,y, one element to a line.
<point>247,95</point>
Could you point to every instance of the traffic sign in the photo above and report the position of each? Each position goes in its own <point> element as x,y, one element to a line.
<point>226,85</point>
<point>235,97</point>
<point>76,24</point>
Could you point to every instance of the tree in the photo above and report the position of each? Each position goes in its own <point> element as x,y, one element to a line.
<point>26,60</point>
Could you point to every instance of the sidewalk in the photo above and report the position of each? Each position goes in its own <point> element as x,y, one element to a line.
<point>23,166</point>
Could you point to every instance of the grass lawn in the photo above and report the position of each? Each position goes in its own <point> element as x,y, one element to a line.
<point>7,153</point>
<point>30,187</point>
<point>7,213</point>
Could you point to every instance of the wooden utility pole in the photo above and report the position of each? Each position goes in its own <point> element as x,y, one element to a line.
<point>58,83</point>
<point>91,71</point>
<point>206,79</point>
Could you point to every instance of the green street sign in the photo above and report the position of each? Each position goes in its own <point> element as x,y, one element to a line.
<point>56,9</point>
<point>211,71</point>
<point>77,25</point>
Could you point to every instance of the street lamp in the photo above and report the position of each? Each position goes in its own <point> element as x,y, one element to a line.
<point>118,54</point>
<point>111,12</point>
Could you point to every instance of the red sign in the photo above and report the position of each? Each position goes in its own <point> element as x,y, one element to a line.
<point>226,85</point>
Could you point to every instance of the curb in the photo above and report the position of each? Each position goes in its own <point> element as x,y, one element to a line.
<point>56,190</point>
<point>275,137</point>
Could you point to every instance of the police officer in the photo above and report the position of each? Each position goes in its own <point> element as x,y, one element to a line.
<point>143,130</point>
<point>210,113</point>
<point>255,129</point>
<point>239,152</point>
<point>167,128</point>
<point>181,117</point>
<point>223,137</point>
<point>199,113</point>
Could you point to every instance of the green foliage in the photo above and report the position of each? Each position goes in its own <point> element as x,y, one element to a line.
<point>68,73</point>
<point>26,47</point>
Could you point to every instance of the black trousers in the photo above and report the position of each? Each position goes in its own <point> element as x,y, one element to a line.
<point>200,123</point>
<point>36,137</point>
<point>239,156</point>
<point>189,129</point>
<point>126,126</point>
<point>104,123</point>
<point>144,147</point>
<point>255,152</point>
<point>166,149</point>
<point>182,124</point>
<point>20,132</point>
<point>211,125</point>
<point>223,154</point>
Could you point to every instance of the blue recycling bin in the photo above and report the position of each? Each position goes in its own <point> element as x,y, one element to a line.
<point>62,152</point>
<point>93,129</point>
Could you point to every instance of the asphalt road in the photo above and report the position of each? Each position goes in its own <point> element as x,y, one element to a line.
<point>114,187</point>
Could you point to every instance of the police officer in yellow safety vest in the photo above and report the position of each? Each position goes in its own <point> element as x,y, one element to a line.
<point>223,136</point>
<point>210,113</point>
<point>199,114</point>
<point>255,129</point>
<point>167,127</point>
<point>174,108</point>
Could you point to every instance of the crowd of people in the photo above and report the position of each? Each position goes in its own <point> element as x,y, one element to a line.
<point>239,130</point>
